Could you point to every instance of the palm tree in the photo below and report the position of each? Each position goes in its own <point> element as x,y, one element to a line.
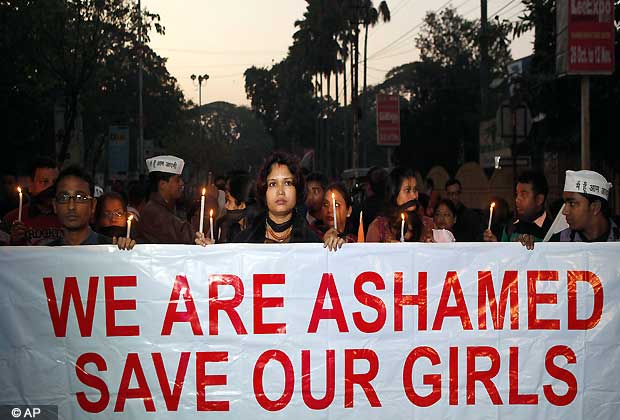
<point>371,18</point>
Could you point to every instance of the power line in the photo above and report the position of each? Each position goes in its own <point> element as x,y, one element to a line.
<point>216,52</point>
<point>512,9</point>
<point>407,33</point>
<point>502,8</point>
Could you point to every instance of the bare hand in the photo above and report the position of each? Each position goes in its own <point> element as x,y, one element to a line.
<point>123,243</point>
<point>332,241</point>
<point>201,240</point>
<point>527,241</point>
<point>488,236</point>
<point>18,233</point>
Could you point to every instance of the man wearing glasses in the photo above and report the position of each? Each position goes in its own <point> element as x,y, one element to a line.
<point>74,204</point>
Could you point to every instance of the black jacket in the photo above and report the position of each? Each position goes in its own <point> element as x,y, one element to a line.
<point>255,234</point>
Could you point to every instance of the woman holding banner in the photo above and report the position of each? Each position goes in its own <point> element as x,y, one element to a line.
<point>279,187</point>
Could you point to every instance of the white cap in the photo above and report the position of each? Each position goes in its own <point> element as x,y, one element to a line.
<point>587,182</point>
<point>168,164</point>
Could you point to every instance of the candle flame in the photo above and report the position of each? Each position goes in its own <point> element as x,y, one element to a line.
<point>402,216</point>
<point>333,196</point>
<point>19,190</point>
<point>130,218</point>
<point>492,205</point>
<point>211,213</point>
<point>204,191</point>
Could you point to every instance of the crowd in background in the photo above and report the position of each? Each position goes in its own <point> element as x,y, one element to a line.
<point>285,204</point>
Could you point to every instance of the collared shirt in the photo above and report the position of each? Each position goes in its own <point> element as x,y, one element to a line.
<point>537,228</point>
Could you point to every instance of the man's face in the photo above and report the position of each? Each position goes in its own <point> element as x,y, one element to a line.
<point>314,196</point>
<point>73,203</point>
<point>527,203</point>
<point>578,211</point>
<point>454,194</point>
<point>43,179</point>
<point>173,188</point>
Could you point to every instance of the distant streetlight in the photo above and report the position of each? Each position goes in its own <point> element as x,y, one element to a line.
<point>201,78</point>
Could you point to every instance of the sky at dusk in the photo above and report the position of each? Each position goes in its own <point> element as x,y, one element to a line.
<point>222,38</point>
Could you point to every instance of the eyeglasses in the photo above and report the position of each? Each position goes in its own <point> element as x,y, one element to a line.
<point>113,214</point>
<point>63,198</point>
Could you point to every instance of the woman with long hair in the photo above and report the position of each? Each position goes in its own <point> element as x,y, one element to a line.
<point>401,201</point>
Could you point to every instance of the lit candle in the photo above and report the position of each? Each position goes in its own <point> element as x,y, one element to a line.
<point>202,209</point>
<point>334,207</point>
<point>19,214</point>
<point>211,223</point>
<point>402,227</point>
<point>491,215</point>
<point>129,219</point>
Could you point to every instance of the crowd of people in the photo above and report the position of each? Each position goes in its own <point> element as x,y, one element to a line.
<point>285,205</point>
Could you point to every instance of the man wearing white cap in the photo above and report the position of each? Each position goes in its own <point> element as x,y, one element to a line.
<point>587,211</point>
<point>158,221</point>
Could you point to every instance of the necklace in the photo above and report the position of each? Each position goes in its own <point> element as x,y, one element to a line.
<point>277,236</point>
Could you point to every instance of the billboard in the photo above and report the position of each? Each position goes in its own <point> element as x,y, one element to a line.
<point>585,37</point>
<point>388,120</point>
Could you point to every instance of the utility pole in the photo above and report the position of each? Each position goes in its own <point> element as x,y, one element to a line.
<point>585,122</point>
<point>141,162</point>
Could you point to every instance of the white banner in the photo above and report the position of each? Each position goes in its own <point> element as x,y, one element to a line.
<point>450,331</point>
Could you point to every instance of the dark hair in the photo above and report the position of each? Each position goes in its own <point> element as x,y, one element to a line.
<point>449,204</point>
<point>397,176</point>
<point>155,177</point>
<point>110,195</point>
<point>279,158</point>
<point>135,193</point>
<point>317,177</point>
<point>339,186</point>
<point>430,183</point>
<point>537,180</point>
<point>605,208</point>
<point>377,180</point>
<point>77,172</point>
<point>240,188</point>
<point>42,162</point>
<point>453,181</point>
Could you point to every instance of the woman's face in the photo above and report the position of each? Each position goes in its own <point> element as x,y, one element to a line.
<point>281,193</point>
<point>408,191</point>
<point>342,210</point>
<point>231,203</point>
<point>444,218</point>
<point>112,213</point>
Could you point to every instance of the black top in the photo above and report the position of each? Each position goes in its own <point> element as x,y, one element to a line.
<point>255,234</point>
<point>468,226</point>
<point>93,239</point>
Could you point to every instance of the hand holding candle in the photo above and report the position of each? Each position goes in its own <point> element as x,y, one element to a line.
<point>490,215</point>
<point>129,219</point>
<point>202,210</point>
<point>211,223</point>
<point>21,202</point>
<point>402,227</point>
<point>334,208</point>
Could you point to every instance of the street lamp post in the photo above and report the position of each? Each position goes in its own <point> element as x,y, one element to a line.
<point>201,78</point>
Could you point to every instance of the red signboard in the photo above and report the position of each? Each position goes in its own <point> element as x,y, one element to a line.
<point>388,120</point>
<point>585,36</point>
